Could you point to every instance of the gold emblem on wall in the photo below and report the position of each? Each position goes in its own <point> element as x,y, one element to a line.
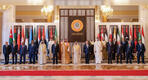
<point>77,25</point>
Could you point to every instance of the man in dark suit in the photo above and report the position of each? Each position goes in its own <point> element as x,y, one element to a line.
<point>14,48</point>
<point>114,49</point>
<point>129,51</point>
<point>6,52</point>
<point>23,51</point>
<point>32,50</point>
<point>124,45</point>
<point>86,50</point>
<point>119,52</point>
<point>140,51</point>
<point>55,50</point>
<point>133,47</point>
<point>109,48</point>
<point>92,55</point>
<point>36,49</point>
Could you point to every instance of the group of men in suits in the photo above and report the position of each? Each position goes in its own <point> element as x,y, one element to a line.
<point>22,50</point>
<point>124,50</point>
<point>121,50</point>
<point>32,49</point>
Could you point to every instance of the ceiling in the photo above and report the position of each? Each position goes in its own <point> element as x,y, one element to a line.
<point>41,2</point>
<point>38,8</point>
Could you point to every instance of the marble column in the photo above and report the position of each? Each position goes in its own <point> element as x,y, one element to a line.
<point>8,18</point>
<point>143,18</point>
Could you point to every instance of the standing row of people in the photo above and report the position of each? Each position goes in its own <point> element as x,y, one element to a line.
<point>102,50</point>
<point>124,50</point>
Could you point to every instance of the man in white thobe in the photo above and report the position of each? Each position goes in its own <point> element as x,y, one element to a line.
<point>98,51</point>
<point>42,53</point>
<point>50,43</point>
<point>76,53</point>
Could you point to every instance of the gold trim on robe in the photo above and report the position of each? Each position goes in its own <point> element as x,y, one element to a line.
<point>65,53</point>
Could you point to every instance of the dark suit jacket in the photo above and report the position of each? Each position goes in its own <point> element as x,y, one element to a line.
<point>115,45</point>
<point>140,49</point>
<point>23,49</point>
<point>55,48</point>
<point>133,44</point>
<point>124,44</point>
<point>86,49</point>
<point>109,47</point>
<point>129,49</point>
<point>119,49</point>
<point>14,49</point>
<point>6,50</point>
<point>36,46</point>
<point>31,49</point>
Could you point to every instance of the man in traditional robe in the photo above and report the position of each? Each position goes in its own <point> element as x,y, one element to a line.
<point>55,51</point>
<point>104,52</point>
<point>42,53</point>
<point>6,52</point>
<point>50,43</point>
<point>76,53</point>
<point>65,52</point>
<point>98,51</point>
<point>86,50</point>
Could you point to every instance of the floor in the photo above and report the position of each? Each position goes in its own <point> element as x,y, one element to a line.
<point>74,78</point>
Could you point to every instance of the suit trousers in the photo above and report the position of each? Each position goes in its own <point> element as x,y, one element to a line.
<point>119,55</point>
<point>55,58</point>
<point>141,54</point>
<point>14,58</point>
<point>6,58</point>
<point>128,57</point>
<point>87,58</point>
<point>32,58</point>
<point>24,58</point>
<point>109,58</point>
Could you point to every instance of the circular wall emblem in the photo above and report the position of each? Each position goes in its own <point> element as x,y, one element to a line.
<point>77,25</point>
